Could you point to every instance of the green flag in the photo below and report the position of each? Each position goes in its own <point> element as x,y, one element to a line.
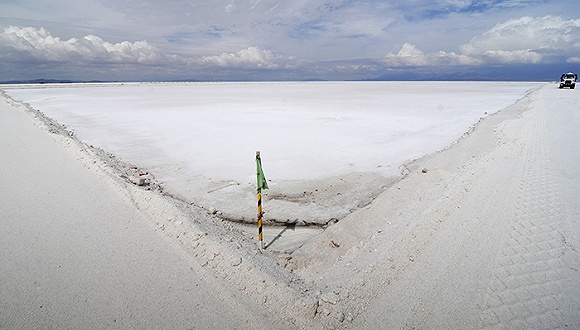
<point>262,183</point>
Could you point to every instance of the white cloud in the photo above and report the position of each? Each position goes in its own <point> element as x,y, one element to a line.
<point>410,55</point>
<point>251,57</point>
<point>41,45</point>
<point>573,59</point>
<point>514,56</point>
<point>37,45</point>
<point>526,40</point>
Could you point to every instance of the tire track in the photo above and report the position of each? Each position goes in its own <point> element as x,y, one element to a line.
<point>528,280</point>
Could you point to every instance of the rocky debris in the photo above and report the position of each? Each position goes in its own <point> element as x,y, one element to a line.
<point>139,177</point>
<point>330,297</point>
<point>137,180</point>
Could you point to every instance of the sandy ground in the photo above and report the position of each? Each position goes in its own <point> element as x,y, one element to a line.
<point>486,238</point>
<point>76,252</point>
<point>484,234</point>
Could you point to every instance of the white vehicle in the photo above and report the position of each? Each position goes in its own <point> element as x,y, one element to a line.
<point>568,80</point>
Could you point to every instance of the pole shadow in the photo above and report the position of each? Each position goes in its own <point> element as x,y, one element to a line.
<point>279,235</point>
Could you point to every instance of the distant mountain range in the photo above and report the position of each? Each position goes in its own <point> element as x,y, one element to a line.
<point>522,72</point>
<point>49,81</point>
<point>504,73</point>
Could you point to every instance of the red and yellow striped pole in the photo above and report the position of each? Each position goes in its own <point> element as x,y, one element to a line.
<point>262,184</point>
<point>260,215</point>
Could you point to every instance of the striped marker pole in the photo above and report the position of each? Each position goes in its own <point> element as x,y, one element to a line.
<point>262,184</point>
<point>260,215</point>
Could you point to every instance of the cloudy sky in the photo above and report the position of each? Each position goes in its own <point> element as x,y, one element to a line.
<point>286,40</point>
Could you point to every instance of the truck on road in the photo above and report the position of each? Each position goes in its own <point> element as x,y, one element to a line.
<point>568,80</point>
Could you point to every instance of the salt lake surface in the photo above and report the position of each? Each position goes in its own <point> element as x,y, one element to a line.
<point>327,147</point>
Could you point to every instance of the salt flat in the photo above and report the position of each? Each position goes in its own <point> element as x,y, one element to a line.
<point>328,148</point>
<point>482,234</point>
<point>76,253</point>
